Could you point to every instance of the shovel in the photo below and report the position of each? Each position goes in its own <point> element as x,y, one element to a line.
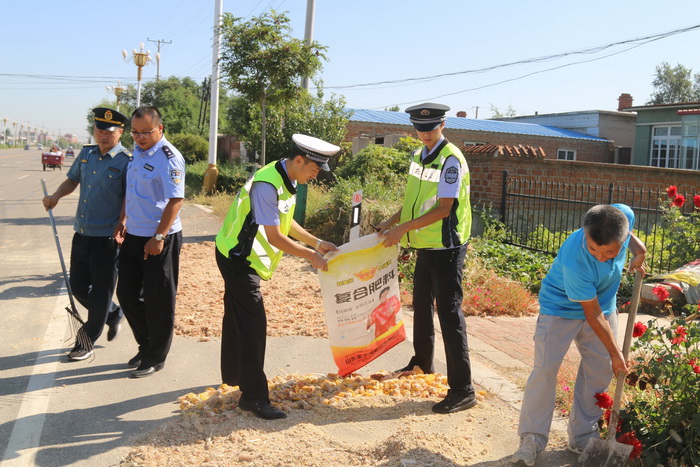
<point>609,452</point>
<point>77,322</point>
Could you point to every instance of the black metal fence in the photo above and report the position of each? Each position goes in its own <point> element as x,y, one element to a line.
<point>540,214</point>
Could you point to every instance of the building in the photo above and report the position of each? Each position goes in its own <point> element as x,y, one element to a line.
<point>616,126</point>
<point>667,135</point>
<point>386,128</point>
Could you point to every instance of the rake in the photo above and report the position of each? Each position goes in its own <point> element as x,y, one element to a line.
<point>76,322</point>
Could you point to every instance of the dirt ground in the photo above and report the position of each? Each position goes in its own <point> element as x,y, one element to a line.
<point>378,420</point>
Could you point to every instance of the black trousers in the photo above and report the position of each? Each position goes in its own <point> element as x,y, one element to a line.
<point>93,276</point>
<point>147,289</point>
<point>244,330</point>
<point>438,279</point>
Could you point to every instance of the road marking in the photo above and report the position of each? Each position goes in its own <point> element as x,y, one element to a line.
<point>23,176</point>
<point>24,441</point>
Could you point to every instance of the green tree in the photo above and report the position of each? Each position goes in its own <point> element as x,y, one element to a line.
<point>496,113</point>
<point>394,108</point>
<point>308,114</point>
<point>261,61</point>
<point>674,85</point>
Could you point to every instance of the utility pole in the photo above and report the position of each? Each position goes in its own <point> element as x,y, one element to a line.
<point>158,42</point>
<point>302,190</point>
<point>212,171</point>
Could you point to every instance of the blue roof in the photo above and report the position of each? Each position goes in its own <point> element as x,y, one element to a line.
<point>459,123</point>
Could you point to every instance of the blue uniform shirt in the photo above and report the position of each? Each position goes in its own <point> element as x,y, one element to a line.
<point>264,201</point>
<point>102,180</point>
<point>154,177</point>
<point>576,276</point>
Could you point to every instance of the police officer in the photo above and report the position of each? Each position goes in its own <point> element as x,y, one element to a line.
<point>100,170</point>
<point>149,259</point>
<point>249,246</point>
<point>436,220</point>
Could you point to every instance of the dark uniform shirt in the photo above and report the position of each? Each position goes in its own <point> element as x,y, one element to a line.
<point>102,181</point>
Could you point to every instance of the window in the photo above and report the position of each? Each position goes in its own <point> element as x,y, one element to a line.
<point>689,157</point>
<point>473,143</point>
<point>566,154</point>
<point>665,146</point>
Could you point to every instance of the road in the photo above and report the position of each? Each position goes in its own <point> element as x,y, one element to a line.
<point>54,412</point>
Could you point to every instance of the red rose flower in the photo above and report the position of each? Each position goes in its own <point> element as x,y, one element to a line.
<point>679,335</point>
<point>672,191</point>
<point>678,201</point>
<point>696,369</point>
<point>661,293</point>
<point>631,439</point>
<point>639,329</point>
<point>696,201</point>
<point>604,401</point>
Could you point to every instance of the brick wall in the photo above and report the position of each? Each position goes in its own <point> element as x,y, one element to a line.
<point>487,175</point>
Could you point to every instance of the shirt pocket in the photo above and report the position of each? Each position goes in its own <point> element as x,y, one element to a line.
<point>113,174</point>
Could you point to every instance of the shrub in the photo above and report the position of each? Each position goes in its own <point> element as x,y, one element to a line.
<point>232,176</point>
<point>193,147</point>
<point>384,165</point>
<point>664,409</point>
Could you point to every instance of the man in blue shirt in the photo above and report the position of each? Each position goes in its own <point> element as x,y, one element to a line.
<point>578,303</point>
<point>100,170</point>
<point>149,259</point>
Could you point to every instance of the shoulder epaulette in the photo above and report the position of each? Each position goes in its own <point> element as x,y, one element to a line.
<point>168,152</point>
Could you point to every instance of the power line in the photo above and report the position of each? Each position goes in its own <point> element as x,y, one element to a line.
<point>588,50</point>
<point>159,42</point>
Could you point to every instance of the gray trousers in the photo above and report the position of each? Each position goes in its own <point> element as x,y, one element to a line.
<point>553,336</point>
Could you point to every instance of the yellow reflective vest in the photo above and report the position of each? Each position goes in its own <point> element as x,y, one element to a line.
<point>240,236</point>
<point>422,196</point>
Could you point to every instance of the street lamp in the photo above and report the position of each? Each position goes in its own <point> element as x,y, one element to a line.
<point>140,59</point>
<point>4,130</point>
<point>118,90</point>
<point>14,138</point>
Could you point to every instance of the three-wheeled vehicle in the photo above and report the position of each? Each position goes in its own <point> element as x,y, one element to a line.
<point>52,160</point>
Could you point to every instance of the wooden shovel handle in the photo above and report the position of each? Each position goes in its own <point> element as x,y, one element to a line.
<point>631,317</point>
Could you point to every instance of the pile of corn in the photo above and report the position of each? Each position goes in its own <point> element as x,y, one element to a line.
<point>305,391</point>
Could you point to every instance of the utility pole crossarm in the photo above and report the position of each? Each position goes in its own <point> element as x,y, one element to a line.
<point>158,43</point>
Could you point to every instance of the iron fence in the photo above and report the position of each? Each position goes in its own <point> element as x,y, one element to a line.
<point>540,214</point>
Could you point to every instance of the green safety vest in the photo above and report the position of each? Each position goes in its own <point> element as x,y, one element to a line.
<point>240,236</point>
<point>422,196</point>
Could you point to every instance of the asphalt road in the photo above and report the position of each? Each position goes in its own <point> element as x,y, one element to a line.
<point>54,412</point>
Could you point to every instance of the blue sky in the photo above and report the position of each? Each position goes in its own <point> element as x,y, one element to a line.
<point>80,41</point>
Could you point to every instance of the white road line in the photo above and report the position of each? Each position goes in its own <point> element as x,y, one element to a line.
<point>26,433</point>
<point>23,176</point>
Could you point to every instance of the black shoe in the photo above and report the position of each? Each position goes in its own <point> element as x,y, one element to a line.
<point>410,367</point>
<point>113,331</point>
<point>262,409</point>
<point>79,353</point>
<point>143,371</point>
<point>454,403</point>
<point>135,361</point>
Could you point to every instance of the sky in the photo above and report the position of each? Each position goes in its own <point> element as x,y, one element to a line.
<point>543,56</point>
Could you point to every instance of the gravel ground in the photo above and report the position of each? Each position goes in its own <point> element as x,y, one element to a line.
<point>359,427</point>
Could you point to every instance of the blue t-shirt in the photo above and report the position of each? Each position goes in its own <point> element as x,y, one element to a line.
<point>577,276</point>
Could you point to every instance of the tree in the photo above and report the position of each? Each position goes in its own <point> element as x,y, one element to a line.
<point>674,85</point>
<point>261,61</point>
<point>495,113</point>
<point>306,114</point>
<point>394,108</point>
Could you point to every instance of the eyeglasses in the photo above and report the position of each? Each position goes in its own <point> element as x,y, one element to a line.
<point>136,134</point>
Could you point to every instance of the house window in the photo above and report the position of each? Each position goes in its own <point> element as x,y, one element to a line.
<point>566,154</point>
<point>689,157</point>
<point>665,146</point>
<point>474,143</point>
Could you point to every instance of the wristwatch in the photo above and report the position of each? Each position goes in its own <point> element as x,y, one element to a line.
<point>159,237</point>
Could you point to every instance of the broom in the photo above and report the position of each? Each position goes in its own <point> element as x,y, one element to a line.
<point>76,322</point>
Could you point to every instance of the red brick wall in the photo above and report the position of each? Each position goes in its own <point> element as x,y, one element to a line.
<point>487,175</point>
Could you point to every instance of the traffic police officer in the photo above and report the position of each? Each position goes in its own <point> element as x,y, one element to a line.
<point>436,220</point>
<point>100,170</point>
<point>149,259</point>
<point>249,246</point>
